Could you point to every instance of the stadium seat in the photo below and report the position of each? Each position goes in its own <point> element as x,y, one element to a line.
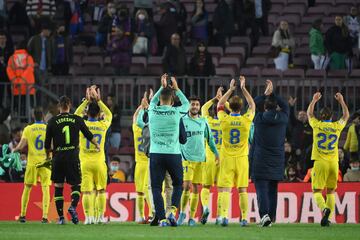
<point>154,66</point>
<point>96,61</point>
<point>315,74</point>
<point>80,50</point>
<point>265,40</point>
<point>340,74</point>
<point>77,60</point>
<point>232,62</point>
<point>253,72</point>
<point>215,61</point>
<point>276,8</point>
<point>95,50</point>
<point>271,73</point>
<point>298,9</point>
<point>216,51</point>
<point>294,73</point>
<point>237,52</point>
<point>261,51</point>
<point>317,11</point>
<point>225,71</point>
<point>256,62</point>
<point>241,41</point>
<point>355,73</point>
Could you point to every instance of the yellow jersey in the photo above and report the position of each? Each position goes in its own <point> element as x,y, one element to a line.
<point>235,132</point>
<point>139,155</point>
<point>326,139</point>
<point>35,136</point>
<point>98,128</point>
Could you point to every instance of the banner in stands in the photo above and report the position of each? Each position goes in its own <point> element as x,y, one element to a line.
<point>295,203</point>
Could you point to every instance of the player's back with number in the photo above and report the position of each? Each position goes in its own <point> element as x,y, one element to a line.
<point>326,138</point>
<point>35,136</point>
<point>64,130</point>
<point>235,132</point>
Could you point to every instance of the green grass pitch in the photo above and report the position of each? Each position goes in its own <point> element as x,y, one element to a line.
<point>133,231</point>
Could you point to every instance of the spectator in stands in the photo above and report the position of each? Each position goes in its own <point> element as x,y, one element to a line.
<point>4,128</point>
<point>255,15</point>
<point>165,27</point>
<point>20,71</point>
<point>124,21</point>
<point>316,44</point>
<point>338,44</point>
<point>144,33</point>
<point>199,23</point>
<point>76,18</point>
<point>223,23</point>
<point>105,25</point>
<point>18,15</point>
<point>291,175</point>
<point>353,174</point>
<point>284,41</point>
<point>116,174</point>
<point>40,49</point>
<point>115,128</point>
<point>39,11</point>
<point>6,51</point>
<point>352,22</point>
<point>3,14</point>
<point>344,162</point>
<point>15,138</point>
<point>147,5</point>
<point>120,52</point>
<point>301,131</point>
<point>178,8</point>
<point>174,60</point>
<point>353,135</point>
<point>201,63</point>
<point>62,51</point>
<point>52,110</point>
<point>290,157</point>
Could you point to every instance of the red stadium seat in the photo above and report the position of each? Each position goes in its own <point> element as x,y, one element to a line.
<point>253,72</point>
<point>225,71</point>
<point>256,62</point>
<point>341,74</point>
<point>271,73</point>
<point>294,73</point>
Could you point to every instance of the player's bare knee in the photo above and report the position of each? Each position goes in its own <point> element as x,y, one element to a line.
<point>242,190</point>
<point>139,193</point>
<point>195,188</point>
<point>317,190</point>
<point>28,185</point>
<point>207,186</point>
<point>330,190</point>
<point>59,185</point>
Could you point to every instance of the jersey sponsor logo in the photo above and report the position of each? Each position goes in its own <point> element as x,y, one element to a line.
<point>194,133</point>
<point>327,129</point>
<point>164,113</point>
<point>65,148</point>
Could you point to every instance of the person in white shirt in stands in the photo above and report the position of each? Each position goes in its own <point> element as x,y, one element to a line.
<point>352,21</point>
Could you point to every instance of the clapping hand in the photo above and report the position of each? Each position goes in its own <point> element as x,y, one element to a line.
<point>242,82</point>
<point>292,101</point>
<point>232,84</point>
<point>339,97</point>
<point>317,96</point>
<point>269,88</point>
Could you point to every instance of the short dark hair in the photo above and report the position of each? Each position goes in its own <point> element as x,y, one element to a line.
<point>317,23</point>
<point>93,109</point>
<point>21,45</point>
<point>16,130</point>
<point>166,94</point>
<point>64,102</point>
<point>326,113</point>
<point>194,98</point>
<point>38,113</point>
<point>270,103</point>
<point>236,103</point>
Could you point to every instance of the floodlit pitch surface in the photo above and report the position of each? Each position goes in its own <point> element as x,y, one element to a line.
<point>133,231</point>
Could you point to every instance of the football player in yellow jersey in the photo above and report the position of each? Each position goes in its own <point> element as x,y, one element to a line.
<point>34,136</point>
<point>141,176</point>
<point>92,161</point>
<point>210,168</point>
<point>325,154</point>
<point>234,163</point>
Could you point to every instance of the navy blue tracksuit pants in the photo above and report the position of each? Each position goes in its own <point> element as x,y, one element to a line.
<point>266,192</point>
<point>159,164</point>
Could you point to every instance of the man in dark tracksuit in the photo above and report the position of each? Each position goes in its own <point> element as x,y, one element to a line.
<point>267,153</point>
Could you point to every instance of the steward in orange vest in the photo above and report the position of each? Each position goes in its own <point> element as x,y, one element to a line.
<point>20,70</point>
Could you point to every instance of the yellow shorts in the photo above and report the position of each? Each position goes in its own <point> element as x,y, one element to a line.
<point>93,175</point>
<point>324,175</point>
<point>210,171</point>
<point>192,171</point>
<point>234,171</point>
<point>141,176</point>
<point>32,174</point>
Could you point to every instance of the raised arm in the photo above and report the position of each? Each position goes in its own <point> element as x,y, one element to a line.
<point>247,95</point>
<point>339,97</point>
<point>310,110</point>
<point>136,114</point>
<point>81,109</point>
<point>228,93</point>
<point>185,104</point>
<point>205,108</point>
<point>107,113</point>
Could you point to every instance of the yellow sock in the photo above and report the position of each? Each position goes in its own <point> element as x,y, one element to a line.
<point>147,197</point>
<point>330,203</point>
<point>94,204</point>
<point>225,205</point>
<point>173,210</point>
<point>25,200</point>
<point>140,203</point>
<point>244,205</point>
<point>45,200</point>
<point>184,200</point>
<point>219,202</point>
<point>205,194</point>
<point>194,200</point>
<point>86,202</point>
<point>101,203</point>
<point>319,199</point>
